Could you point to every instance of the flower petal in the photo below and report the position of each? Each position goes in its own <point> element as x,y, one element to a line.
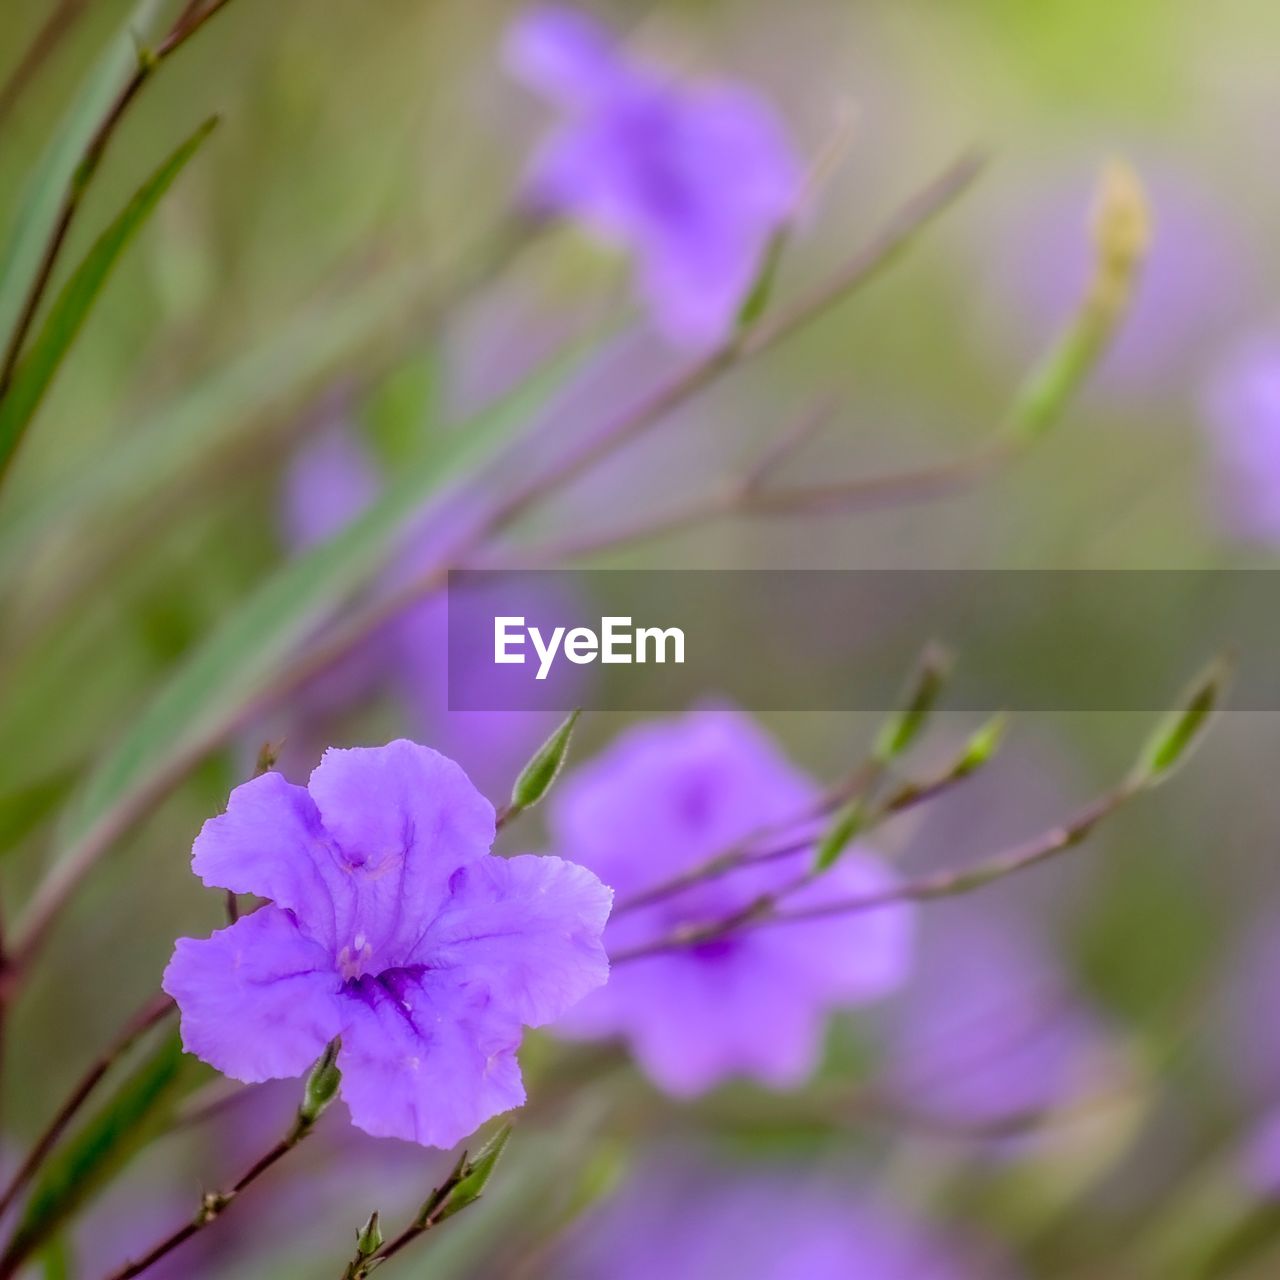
<point>259,1000</point>
<point>853,958</point>
<point>270,842</point>
<point>561,54</point>
<point>528,930</point>
<point>403,819</point>
<point>425,1058</point>
<point>694,1021</point>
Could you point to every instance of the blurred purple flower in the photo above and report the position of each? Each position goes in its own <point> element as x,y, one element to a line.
<point>664,798</point>
<point>1242,414</point>
<point>684,1217</point>
<point>1260,1157</point>
<point>989,1032</point>
<point>692,180</point>
<point>391,926</point>
<point>330,482</point>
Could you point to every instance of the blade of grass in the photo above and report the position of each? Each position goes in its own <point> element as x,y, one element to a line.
<point>257,640</point>
<point>271,379</point>
<point>107,1141</point>
<point>71,308</point>
<point>35,219</point>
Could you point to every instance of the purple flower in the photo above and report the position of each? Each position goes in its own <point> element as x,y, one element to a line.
<point>682,1215</point>
<point>691,180</point>
<point>1242,413</point>
<point>329,483</point>
<point>990,1031</point>
<point>391,926</point>
<point>663,799</point>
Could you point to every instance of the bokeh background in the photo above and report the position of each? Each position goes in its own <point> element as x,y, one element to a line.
<point>1078,1081</point>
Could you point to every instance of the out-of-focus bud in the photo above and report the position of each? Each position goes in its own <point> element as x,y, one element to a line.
<point>1181,730</point>
<point>902,728</point>
<point>1121,235</point>
<point>1121,224</point>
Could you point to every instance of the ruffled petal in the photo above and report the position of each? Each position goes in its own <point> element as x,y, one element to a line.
<point>528,930</point>
<point>425,1058</point>
<point>270,842</point>
<point>854,958</point>
<point>403,819</point>
<point>259,1000</point>
<point>693,1021</point>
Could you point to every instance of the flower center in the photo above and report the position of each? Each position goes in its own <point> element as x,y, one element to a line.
<point>353,960</point>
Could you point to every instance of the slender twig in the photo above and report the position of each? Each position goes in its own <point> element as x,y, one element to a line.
<point>159,1007</point>
<point>946,884</point>
<point>463,1187</point>
<point>58,23</point>
<point>751,853</point>
<point>212,1207</point>
<point>321,1086</point>
<point>191,21</point>
<point>900,231</point>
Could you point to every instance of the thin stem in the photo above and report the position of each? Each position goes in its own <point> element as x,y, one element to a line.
<point>215,1203</point>
<point>59,22</point>
<point>148,62</point>
<point>896,236</point>
<point>906,796</point>
<point>946,884</point>
<point>159,1007</point>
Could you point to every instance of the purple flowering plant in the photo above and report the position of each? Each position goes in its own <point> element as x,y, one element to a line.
<point>660,802</point>
<point>706,914</point>
<point>392,928</point>
<point>692,180</point>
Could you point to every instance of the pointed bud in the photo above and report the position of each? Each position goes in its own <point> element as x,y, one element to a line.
<point>761,290</point>
<point>1181,730</point>
<point>369,1237</point>
<point>1121,220</point>
<point>1121,236</point>
<point>475,1174</point>
<point>982,745</point>
<point>845,827</point>
<point>322,1085</point>
<point>537,776</point>
<point>919,698</point>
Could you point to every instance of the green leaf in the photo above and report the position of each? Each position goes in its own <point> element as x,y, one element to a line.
<point>54,173</point>
<point>1181,730</point>
<point>26,807</point>
<point>256,388</point>
<point>253,643</point>
<point>126,1122</point>
<point>537,776</point>
<point>475,1174</point>
<point>72,306</point>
